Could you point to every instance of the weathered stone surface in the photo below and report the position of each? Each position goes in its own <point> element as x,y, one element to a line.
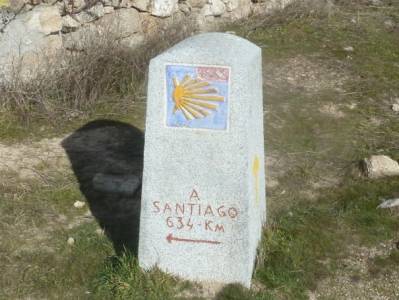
<point>16,5</point>
<point>378,166</point>
<point>74,6</point>
<point>238,8</point>
<point>24,40</point>
<point>43,19</point>
<point>93,13</point>
<point>124,22</point>
<point>96,10</point>
<point>213,8</point>
<point>262,7</point>
<point>108,9</point>
<point>78,40</point>
<point>142,5</point>
<point>197,3</point>
<point>115,3</point>
<point>61,8</point>
<point>50,2</point>
<point>69,24</point>
<point>125,3</point>
<point>185,8</point>
<point>163,8</point>
<point>203,195</point>
<point>124,26</point>
<point>84,17</point>
<point>6,17</point>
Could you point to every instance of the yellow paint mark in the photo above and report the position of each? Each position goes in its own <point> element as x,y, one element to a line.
<point>255,174</point>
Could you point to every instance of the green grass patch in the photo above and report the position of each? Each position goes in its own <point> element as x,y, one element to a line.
<point>122,278</point>
<point>304,245</point>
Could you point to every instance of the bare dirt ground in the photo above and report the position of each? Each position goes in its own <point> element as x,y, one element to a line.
<point>354,280</point>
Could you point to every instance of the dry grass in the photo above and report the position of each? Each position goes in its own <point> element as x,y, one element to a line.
<point>81,78</point>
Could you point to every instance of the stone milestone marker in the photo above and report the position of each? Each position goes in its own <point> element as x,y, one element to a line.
<point>203,196</point>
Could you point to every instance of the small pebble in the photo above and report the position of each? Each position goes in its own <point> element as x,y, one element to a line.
<point>349,49</point>
<point>100,231</point>
<point>79,204</point>
<point>389,24</point>
<point>352,106</point>
<point>71,241</point>
<point>395,107</point>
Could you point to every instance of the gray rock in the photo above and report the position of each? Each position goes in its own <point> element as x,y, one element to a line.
<point>213,8</point>
<point>185,8</point>
<point>389,203</point>
<point>50,2</point>
<point>349,49</point>
<point>69,24</point>
<point>163,8</point>
<point>196,3</point>
<point>97,10</point>
<point>77,40</point>
<point>116,3</point>
<point>378,166</point>
<point>43,19</point>
<point>124,26</point>
<point>16,5</point>
<point>93,13</point>
<point>389,24</point>
<point>84,17</point>
<point>25,40</point>
<point>395,107</point>
<point>238,9</point>
<point>125,4</point>
<point>74,6</point>
<point>6,17</point>
<point>124,22</point>
<point>203,194</point>
<point>61,8</point>
<point>142,5</point>
<point>108,9</point>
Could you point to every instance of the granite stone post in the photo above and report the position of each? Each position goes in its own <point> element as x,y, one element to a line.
<point>203,196</point>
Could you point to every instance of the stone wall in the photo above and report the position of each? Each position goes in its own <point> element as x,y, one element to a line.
<point>31,30</point>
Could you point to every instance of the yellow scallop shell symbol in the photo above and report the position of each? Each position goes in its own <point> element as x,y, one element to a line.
<point>194,97</point>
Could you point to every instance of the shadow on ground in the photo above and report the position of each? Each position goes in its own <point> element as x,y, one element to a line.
<point>107,159</point>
